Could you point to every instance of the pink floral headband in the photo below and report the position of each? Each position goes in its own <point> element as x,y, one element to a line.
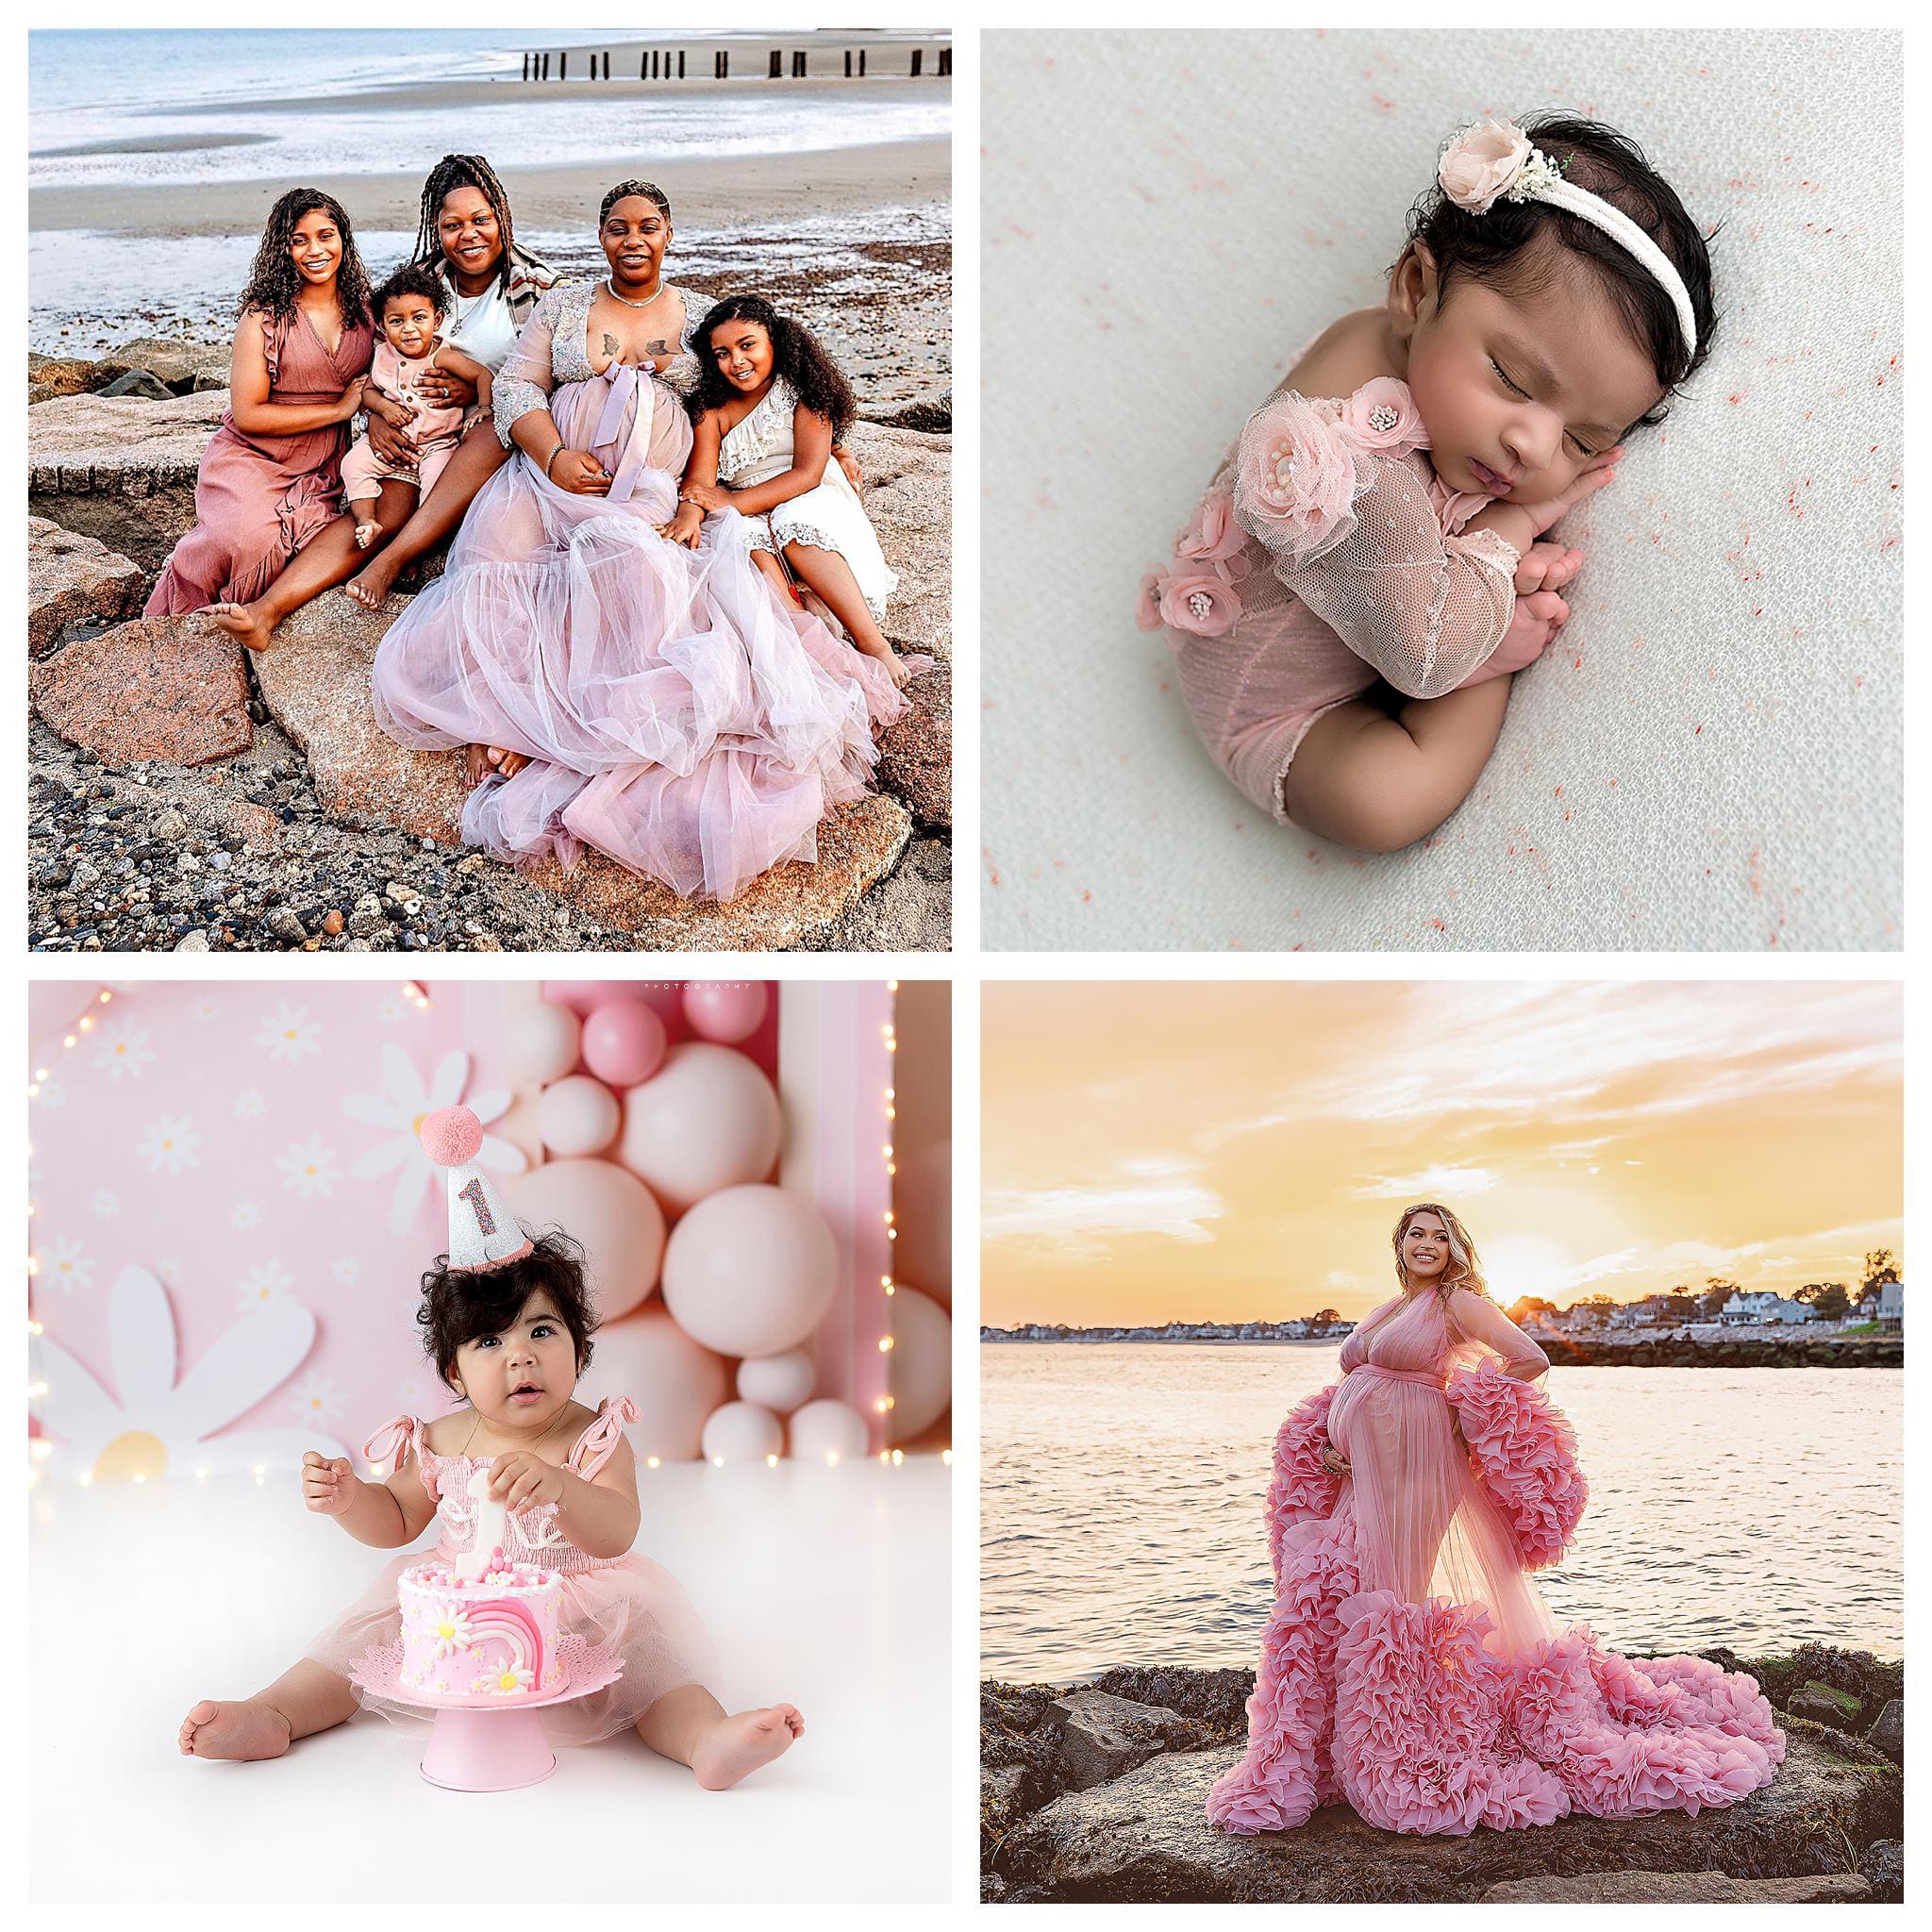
<point>1492,160</point>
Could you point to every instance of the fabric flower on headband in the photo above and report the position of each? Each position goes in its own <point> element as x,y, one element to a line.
<point>1492,160</point>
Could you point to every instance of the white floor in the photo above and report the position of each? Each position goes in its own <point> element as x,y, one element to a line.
<point>828,1586</point>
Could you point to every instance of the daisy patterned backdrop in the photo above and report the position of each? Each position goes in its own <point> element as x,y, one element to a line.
<point>230,1212</point>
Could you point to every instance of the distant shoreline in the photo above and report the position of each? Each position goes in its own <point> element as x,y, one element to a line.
<point>1794,1350</point>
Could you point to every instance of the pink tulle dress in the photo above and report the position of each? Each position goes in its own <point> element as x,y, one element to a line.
<point>259,498</point>
<point>681,716</point>
<point>1326,554</point>
<point>1409,1668</point>
<point>628,1605</point>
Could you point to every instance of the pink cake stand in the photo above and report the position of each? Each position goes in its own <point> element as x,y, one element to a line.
<point>481,1749</point>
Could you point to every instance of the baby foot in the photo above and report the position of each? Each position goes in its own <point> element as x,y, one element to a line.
<point>735,1746</point>
<point>247,1729</point>
<point>241,622</point>
<point>1534,621</point>
<point>365,535</point>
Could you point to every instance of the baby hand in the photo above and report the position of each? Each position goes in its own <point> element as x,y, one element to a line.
<point>328,1487</point>
<point>1546,567</point>
<point>521,1481</point>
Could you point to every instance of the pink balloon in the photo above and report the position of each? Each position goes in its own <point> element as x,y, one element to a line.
<point>920,1366</point>
<point>674,1383</point>
<point>610,1213</point>
<point>577,1115</point>
<point>707,1120</point>
<point>923,1200</point>
<point>749,1270</point>
<point>665,997</point>
<point>725,1010</point>
<point>540,1041</point>
<point>624,1041</point>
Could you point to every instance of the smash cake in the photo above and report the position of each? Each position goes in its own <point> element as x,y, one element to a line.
<point>480,1640</point>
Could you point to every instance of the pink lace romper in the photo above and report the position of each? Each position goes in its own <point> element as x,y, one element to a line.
<point>1325,554</point>
<point>627,1604</point>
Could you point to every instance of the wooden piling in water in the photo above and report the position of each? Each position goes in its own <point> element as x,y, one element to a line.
<point>917,55</point>
<point>777,56</point>
<point>546,67</point>
<point>862,63</point>
<point>945,63</point>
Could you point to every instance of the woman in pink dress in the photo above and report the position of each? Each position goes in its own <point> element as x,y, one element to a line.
<point>272,477</point>
<point>661,704</point>
<point>1411,1668</point>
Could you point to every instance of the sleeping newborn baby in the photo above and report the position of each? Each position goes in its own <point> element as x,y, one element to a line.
<point>1379,524</point>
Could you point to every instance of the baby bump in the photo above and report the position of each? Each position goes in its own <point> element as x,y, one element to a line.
<point>586,418</point>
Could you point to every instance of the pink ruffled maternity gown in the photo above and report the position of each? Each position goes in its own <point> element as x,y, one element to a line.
<point>1410,1669</point>
<point>681,716</point>
<point>626,1604</point>
<point>259,498</point>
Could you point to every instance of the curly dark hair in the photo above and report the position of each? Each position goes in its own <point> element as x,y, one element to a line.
<point>649,189</point>
<point>462,171</point>
<point>796,356</point>
<point>461,1305</point>
<point>274,283</point>
<point>412,278</point>
<point>1516,247</point>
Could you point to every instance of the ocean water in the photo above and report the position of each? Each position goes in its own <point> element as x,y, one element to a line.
<point>193,105</point>
<point>1122,1486</point>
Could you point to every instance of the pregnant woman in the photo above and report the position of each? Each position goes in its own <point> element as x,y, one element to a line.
<point>1411,1668</point>
<point>271,479</point>
<point>659,703</point>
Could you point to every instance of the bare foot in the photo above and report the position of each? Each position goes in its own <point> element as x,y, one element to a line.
<point>371,585</point>
<point>509,762</point>
<point>245,1729</point>
<point>477,763</point>
<point>245,623</point>
<point>735,1746</point>
<point>365,535</point>
<point>895,665</point>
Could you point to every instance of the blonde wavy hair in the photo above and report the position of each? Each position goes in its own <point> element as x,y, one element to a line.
<point>1465,1266</point>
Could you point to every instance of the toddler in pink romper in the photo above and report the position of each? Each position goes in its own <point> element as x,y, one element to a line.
<point>408,307</point>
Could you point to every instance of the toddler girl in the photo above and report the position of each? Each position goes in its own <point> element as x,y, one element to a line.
<point>1380,517</point>
<point>508,1324</point>
<point>409,308</point>
<point>770,406</point>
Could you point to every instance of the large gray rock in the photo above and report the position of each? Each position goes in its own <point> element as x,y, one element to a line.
<point>185,367</point>
<point>73,579</point>
<point>1681,1887</point>
<point>1888,1733</point>
<point>916,753</point>
<point>314,679</point>
<point>1146,1837</point>
<point>1103,1737</point>
<point>909,496</point>
<point>121,470</point>
<point>161,688</point>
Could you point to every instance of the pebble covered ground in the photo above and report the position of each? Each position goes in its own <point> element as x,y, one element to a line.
<point>241,857</point>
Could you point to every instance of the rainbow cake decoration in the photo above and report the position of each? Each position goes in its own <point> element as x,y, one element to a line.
<point>480,1640</point>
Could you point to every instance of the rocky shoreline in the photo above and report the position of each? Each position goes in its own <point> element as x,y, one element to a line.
<point>185,796</point>
<point>1096,1792</point>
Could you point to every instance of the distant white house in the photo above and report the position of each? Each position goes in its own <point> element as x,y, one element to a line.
<point>1892,1305</point>
<point>1760,1305</point>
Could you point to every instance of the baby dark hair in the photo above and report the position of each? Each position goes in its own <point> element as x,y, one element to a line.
<point>460,1306</point>
<point>412,278</point>
<point>1516,247</point>
<point>796,356</point>
<point>624,189</point>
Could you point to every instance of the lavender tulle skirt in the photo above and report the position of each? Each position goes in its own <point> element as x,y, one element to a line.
<point>680,717</point>
<point>634,1607</point>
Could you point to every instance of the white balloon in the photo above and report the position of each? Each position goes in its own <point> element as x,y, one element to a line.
<point>540,1041</point>
<point>749,1270</point>
<point>577,1115</point>
<point>706,1119</point>
<point>828,1431</point>
<point>778,1382</point>
<point>742,1432</point>
<point>674,1383</point>
<point>919,1368</point>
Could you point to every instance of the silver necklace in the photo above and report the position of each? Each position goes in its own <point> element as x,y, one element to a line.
<point>625,299</point>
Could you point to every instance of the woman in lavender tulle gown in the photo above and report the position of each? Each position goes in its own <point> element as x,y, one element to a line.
<point>1409,1668</point>
<point>659,703</point>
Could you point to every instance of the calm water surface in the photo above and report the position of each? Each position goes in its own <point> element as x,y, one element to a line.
<point>1121,1491</point>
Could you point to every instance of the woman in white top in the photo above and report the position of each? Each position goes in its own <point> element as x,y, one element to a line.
<point>465,234</point>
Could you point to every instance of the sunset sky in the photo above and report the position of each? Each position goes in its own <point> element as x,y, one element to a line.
<point>1236,1152</point>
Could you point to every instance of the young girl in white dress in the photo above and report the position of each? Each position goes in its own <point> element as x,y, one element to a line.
<point>771,406</point>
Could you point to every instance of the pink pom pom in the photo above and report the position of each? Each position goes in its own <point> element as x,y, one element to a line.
<point>451,1136</point>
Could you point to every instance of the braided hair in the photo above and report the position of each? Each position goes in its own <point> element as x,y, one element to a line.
<point>274,282</point>
<point>649,189</point>
<point>463,171</point>
<point>796,356</point>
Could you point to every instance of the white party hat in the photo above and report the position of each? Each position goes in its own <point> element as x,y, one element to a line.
<point>483,1233</point>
